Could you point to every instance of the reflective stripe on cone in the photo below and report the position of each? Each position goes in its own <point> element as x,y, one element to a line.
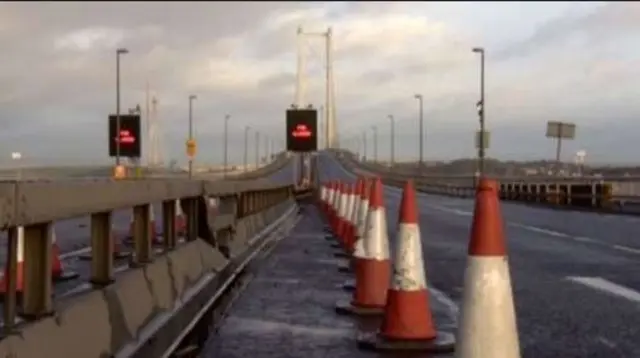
<point>487,322</point>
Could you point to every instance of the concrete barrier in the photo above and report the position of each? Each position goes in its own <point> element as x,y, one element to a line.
<point>144,309</point>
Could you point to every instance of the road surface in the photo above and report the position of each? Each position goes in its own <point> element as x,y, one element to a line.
<point>576,275</point>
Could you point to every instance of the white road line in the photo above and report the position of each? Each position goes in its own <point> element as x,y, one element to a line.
<point>585,239</point>
<point>70,254</point>
<point>600,284</point>
<point>627,249</point>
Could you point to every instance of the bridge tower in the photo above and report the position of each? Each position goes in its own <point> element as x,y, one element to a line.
<point>153,137</point>
<point>331,139</point>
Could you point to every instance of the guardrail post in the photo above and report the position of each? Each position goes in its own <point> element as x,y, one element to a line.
<point>9,308</point>
<point>192,218</point>
<point>37,301</point>
<point>169,224</point>
<point>141,235</point>
<point>101,249</point>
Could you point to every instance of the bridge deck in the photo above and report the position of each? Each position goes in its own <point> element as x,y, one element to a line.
<point>287,310</point>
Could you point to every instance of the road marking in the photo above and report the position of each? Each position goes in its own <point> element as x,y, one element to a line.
<point>606,286</point>
<point>627,249</point>
<point>539,230</point>
<point>70,254</point>
<point>585,239</point>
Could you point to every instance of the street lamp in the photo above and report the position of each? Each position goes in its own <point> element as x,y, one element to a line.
<point>393,139</point>
<point>364,146</point>
<point>375,143</point>
<point>421,119</point>
<point>246,147</point>
<point>17,156</point>
<point>191,99</point>
<point>257,150</point>
<point>226,144</point>
<point>480,107</point>
<point>120,51</point>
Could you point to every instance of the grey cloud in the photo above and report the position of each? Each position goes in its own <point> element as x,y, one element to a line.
<point>610,21</point>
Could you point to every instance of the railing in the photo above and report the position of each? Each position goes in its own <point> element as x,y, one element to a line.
<point>610,194</point>
<point>36,205</point>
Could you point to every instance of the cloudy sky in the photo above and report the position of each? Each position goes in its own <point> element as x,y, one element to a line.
<point>573,62</point>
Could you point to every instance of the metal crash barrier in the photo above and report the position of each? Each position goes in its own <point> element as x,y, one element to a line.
<point>619,194</point>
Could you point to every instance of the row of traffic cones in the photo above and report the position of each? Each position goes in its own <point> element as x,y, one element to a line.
<point>398,291</point>
<point>180,223</point>
<point>59,271</point>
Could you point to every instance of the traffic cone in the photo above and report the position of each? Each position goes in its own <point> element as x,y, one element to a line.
<point>58,271</point>
<point>344,217</point>
<point>343,205</point>
<point>361,226</point>
<point>19,269</point>
<point>487,323</point>
<point>346,228</point>
<point>355,212</point>
<point>350,232</point>
<point>407,322</point>
<point>181,221</point>
<point>152,227</point>
<point>372,262</point>
<point>335,216</point>
<point>330,211</point>
<point>118,252</point>
<point>322,199</point>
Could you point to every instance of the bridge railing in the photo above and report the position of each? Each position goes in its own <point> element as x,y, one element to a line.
<point>600,193</point>
<point>33,206</point>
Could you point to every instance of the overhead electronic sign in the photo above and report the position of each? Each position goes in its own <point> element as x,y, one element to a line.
<point>302,126</point>
<point>129,136</point>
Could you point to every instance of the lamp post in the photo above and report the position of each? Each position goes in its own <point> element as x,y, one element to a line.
<point>119,52</point>
<point>226,144</point>
<point>421,130</point>
<point>481,109</point>
<point>364,146</point>
<point>191,99</point>
<point>375,143</point>
<point>246,147</point>
<point>393,140</point>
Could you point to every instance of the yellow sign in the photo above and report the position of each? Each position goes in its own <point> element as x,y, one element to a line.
<point>191,148</point>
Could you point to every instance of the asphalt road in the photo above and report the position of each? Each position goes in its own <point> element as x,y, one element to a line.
<point>73,239</point>
<point>576,275</point>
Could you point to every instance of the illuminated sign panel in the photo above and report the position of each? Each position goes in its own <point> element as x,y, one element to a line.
<point>302,125</point>
<point>129,136</point>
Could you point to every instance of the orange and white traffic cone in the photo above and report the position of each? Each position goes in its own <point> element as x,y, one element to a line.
<point>487,323</point>
<point>350,234</point>
<point>19,268</point>
<point>361,226</point>
<point>58,271</point>
<point>355,212</point>
<point>116,242</point>
<point>372,262</point>
<point>408,323</point>
<point>340,215</point>
<point>329,210</point>
<point>152,227</point>
<point>322,194</point>
<point>346,220</point>
<point>335,219</point>
<point>181,221</point>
